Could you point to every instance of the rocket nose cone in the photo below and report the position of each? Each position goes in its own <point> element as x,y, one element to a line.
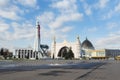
<point>37,23</point>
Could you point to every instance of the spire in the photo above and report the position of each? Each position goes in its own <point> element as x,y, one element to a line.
<point>78,38</point>
<point>54,39</point>
<point>86,38</point>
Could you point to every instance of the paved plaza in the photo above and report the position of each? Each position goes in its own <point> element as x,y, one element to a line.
<point>60,70</point>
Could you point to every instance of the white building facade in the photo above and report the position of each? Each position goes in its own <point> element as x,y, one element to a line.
<point>24,53</point>
<point>74,46</point>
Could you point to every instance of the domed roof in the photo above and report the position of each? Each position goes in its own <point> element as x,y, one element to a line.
<point>87,44</point>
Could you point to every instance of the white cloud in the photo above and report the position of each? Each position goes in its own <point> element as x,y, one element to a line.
<point>46,18</point>
<point>60,20</point>
<point>93,29</point>
<point>11,15</point>
<point>65,6</point>
<point>68,12</point>
<point>88,11</point>
<point>117,8</point>
<point>116,33</point>
<point>87,7</point>
<point>29,3</point>
<point>9,10</point>
<point>54,24</point>
<point>103,3</point>
<point>108,15</point>
<point>112,12</point>
<point>112,38</point>
<point>3,27</point>
<point>112,25</point>
<point>23,31</point>
<point>4,3</point>
<point>18,35</point>
<point>20,31</point>
<point>108,42</point>
<point>66,29</point>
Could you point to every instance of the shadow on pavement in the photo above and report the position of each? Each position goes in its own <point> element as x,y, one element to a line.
<point>54,73</point>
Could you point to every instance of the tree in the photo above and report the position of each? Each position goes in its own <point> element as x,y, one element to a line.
<point>66,53</point>
<point>69,54</point>
<point>5,53</point>
<point>1,51</point>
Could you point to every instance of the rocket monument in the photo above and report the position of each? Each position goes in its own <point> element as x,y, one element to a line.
<point>38,47</point>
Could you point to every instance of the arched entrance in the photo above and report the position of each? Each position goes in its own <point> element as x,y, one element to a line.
<point>66,53</point>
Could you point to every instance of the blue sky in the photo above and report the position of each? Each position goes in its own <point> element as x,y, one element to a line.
<point>98,20</point>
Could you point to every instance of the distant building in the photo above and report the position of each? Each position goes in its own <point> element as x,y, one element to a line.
<point>112,52</point>
<point>88,51</point>
<point>102,54</point>
<point>84,50</point>
<point>86,44</point>
<point>87,47</point>
<point>96,54</point>
<point>25,53</point>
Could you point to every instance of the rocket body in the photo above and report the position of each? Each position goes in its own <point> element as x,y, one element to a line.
<point>38,27</point>
<point>37,38</point>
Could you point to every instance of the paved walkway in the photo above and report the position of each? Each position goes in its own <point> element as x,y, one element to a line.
<point>103,70</point>
<point>109,71</point>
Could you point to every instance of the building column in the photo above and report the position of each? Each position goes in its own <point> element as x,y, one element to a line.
<point>23,54</point>
<point>32,54</point>
<point>35,55</point>
<point>16,53</point>
<point>29,54</point>
<point>20,53</point>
